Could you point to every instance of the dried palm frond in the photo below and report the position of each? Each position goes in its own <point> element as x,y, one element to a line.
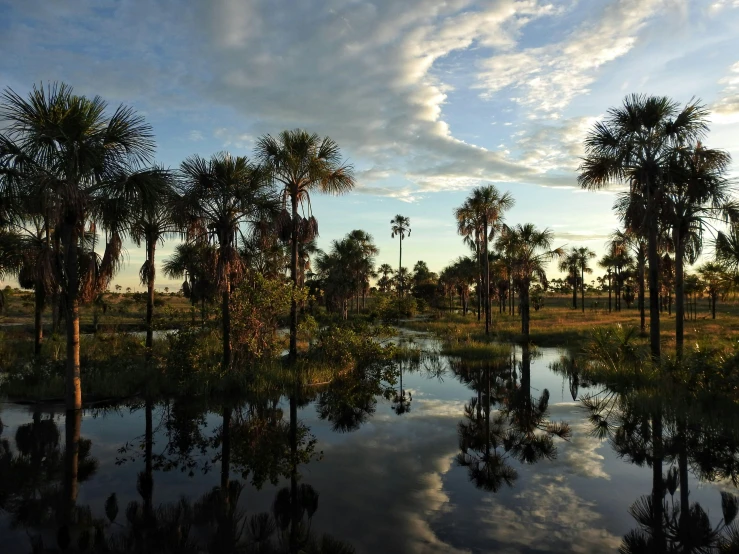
<point>111,261</point>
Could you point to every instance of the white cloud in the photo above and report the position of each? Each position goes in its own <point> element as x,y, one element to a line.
<point>546,78</point>
<point>195,136</point>
<point>726,109</point>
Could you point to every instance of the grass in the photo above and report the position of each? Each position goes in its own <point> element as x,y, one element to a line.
<point>558,325</point>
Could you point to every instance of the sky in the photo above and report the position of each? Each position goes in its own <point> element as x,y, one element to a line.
<point>427,99</point>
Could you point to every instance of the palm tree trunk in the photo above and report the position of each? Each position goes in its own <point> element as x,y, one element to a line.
<point>679,294</point>
<point>609,292</point>
<point>714,297</point>
<point>641,263</point>
<point>38,326</point>
<point>487,277</point>
<point>227,325</point>
<point>653,256</point>
<point>400,266</point>
<point>55,299</point>
<point>479,281</point>
<point>582,288</point>
<point>73,384</point>
<point>574,289</point>
<point>150,251</point>
<point>294,277</point>
<point>524,309</point>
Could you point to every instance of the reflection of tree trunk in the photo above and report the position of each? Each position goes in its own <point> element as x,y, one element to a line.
<point>225,457</point>
<point>72,430</point>
<point>148,488</point>
<point>294,509</point>
<point>657,485</point>
<point>683,469</point>
<point>526,379</point>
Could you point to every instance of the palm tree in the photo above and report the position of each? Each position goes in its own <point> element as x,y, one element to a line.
<point>301,163</point>
<point>570,263</point>
<point>632,239</point>
<point>488,205</point>
<point>385,282</point>
<point>696,193</point>
<point>219,197</point>
<point>364,262</point>
<point>400,226</point>
<point>727,248</point>
<point>191,261</point>
<point>633,145</point>
<point>68,148</point>
<point>714,278</point>
<point>11,260</point>
<point>469,226</point>
<point>583,255</point>
<point>532,250</point>
<point>607,263</point>
<point>151,223</point>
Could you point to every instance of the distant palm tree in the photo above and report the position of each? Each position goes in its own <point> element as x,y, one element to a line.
<point>300,163</point>
<point>219,198</point>
<point>532,250</point>
<point>364,262</point>
<point>714,280</point>
<point>150,224</point>
<point>385,282</point>
<point>570,263</point>
<point>584,254</point>
<point>633,145</point>
<point>489,205</point>
<point>192,261</point>
<point>400,226</point>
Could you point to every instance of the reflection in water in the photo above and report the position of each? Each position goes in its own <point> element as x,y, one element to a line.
<point>658,430</point>
<point>265,487</point>
<point>519,429</point>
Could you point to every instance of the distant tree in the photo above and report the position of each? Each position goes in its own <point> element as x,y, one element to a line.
<point>401,226</point>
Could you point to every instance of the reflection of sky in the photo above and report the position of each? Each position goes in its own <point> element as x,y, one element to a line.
<point>393,485</point>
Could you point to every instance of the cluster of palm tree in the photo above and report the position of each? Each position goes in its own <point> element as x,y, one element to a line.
<point>76,180</point>
<point>677,191</point>
<point>345,271</point>
<point>517,261</point>
<point>576,263</point>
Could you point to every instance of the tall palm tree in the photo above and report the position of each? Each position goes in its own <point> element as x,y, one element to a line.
<point>570,263</point>
<point>401,226</point>
<point>301,163</point>
<point>68,147</point>
<point>532,250</point>
<point>584,254</point>
<point>469,226</point>
<point>489,205</point>
<point>633,145</point>
<point>150,224</point>
<point>697,192</point>
<point>222,199</point>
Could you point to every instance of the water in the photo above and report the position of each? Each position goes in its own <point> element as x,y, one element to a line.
<point>393,484</point>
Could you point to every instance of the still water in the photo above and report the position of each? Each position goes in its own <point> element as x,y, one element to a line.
<point>387,469</point>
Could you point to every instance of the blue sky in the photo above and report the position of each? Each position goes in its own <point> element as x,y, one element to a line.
<point>427,99</point>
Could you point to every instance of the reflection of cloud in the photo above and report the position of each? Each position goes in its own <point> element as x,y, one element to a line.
<point>548,517</point>
<point>579,453</point>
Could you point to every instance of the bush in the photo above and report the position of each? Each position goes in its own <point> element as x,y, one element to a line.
<point>392,309</point>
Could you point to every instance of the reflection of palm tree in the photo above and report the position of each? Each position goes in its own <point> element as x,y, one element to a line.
<point>401,402</point>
